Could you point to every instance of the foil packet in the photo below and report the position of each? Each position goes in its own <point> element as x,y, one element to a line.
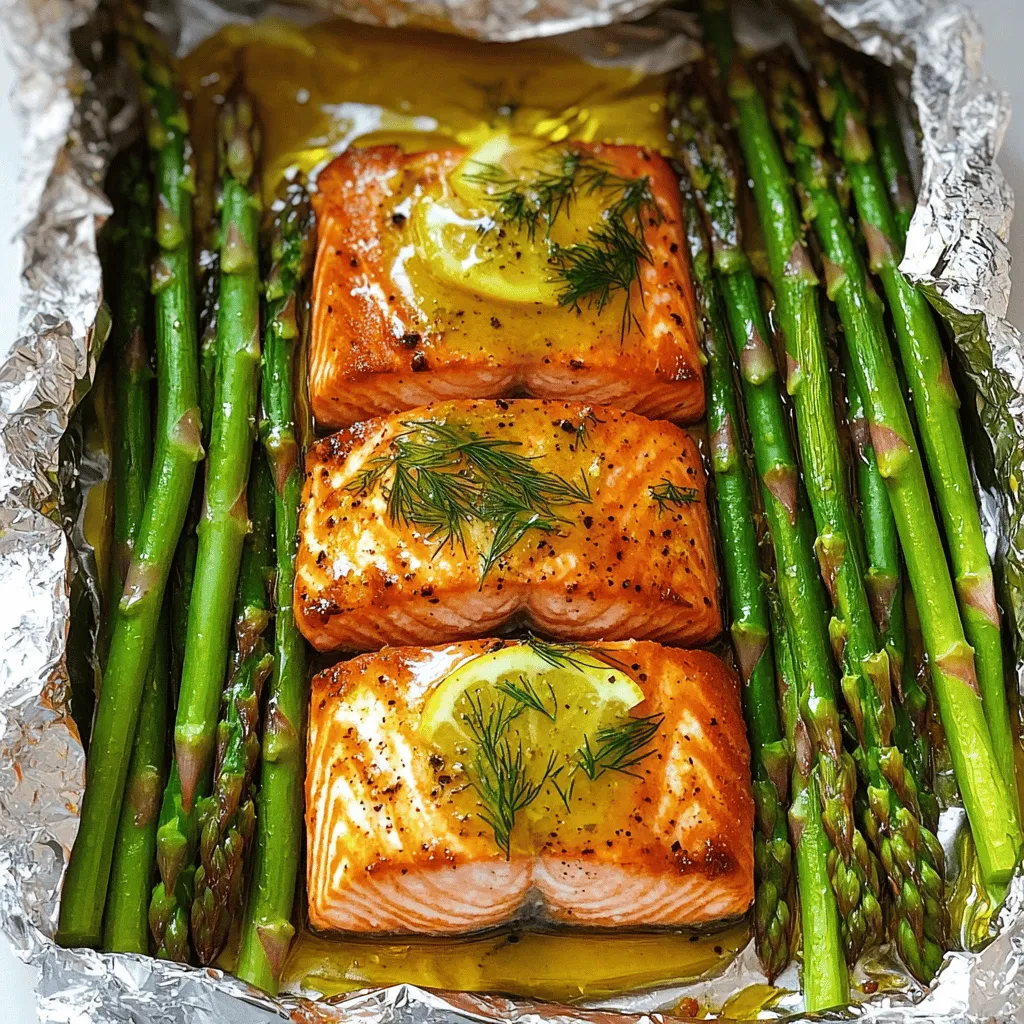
<point>73,108</point>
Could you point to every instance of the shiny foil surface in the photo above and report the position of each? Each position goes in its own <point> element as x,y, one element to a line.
<point>72,109</point>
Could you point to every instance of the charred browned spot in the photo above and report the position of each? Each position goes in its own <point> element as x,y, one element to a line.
<point>139,580</point>
<point>803,748</point>
<point>944,382</point>
<point>831,550</point>
<point>749,642</point>
<point>799,264</point>
<point>860,434</point>
<point>136,353</point>
<point>757,363</point>
<point>891,450</point>
<point>187,434</point>
<point>958,662</point>
<point>781,484</point>
<point>723,444</point>
<point>835,275</point>
<point>144,792</point>
<point>276,939</point>
<point>881,251</point>
<point>792,374</point>
<point>881,589</point>
<point>778,764</point>
<point>977,591</point>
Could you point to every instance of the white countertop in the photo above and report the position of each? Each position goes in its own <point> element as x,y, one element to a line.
<point>1003,21</point>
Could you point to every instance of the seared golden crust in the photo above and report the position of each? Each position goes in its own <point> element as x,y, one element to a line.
<point>387,852</point>
<point>374,351</point>
<point>622,565</point>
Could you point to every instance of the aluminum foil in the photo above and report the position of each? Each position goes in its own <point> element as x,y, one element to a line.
<point>64,99</point>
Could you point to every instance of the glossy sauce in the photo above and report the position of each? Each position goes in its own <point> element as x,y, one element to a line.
<point>318,90</point>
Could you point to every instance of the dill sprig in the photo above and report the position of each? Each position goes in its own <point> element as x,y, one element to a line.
<point>667,493</point>
<point>619,748</point>
<point>593,272</point>
<point>570,655</point>
<point>444,477</point>
<point>523,692</point>
<point>499,773</point>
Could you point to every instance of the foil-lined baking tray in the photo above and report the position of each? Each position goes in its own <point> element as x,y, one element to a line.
<point>73,108</point>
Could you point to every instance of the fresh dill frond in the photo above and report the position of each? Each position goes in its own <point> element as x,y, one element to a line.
<point>578,656</point>
<point>444,477</point>
<point>499,772</point>
<point>619,748</point>
<point>525,693</point>
<point>667,493</point>
<point>595,271</point>
<point>587,420</point>
<point>539,196</point>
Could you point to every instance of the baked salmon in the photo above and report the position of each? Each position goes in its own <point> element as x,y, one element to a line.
<point>432,282</point>
<point>400,826</point>
<point>451,522</point>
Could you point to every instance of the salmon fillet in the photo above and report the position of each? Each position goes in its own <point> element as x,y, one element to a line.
<point>595,525</point>
<point>395,847</point>
<point>388,335</point>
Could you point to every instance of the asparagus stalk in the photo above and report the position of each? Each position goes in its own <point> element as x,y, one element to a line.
<point>224,523</point>
<point>267,930</point>
<point>184,571</point>
<point>748,611</point>
<point>175,857</point>
<point>911,855</point>
<point>124,925</point>
<point>227,819</point>
<point>852,868</point>
<point>177,450</point>
<point>894,165</point>
<point>935,400</point>
<point>824,978</point>
<point>885,588</point>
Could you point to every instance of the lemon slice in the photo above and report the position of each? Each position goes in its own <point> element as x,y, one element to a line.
<point>466,241</point>
<point>518,723</point>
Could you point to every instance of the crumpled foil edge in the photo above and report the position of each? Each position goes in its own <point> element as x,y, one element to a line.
<point>956,250</point>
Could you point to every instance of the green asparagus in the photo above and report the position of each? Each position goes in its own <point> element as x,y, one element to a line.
<point>224,522</point>
<point>748,612</point>
<point>824,978</point>
<point>227,818</point>
<point>935,399</point>
<point>176,840</point>
<point>267,930</point>
<point>893,160</point>
<point>911,855</point>
<point>124,924</point>
<point>885,588</point>
<point>177,451</point>
<point>852,867</point>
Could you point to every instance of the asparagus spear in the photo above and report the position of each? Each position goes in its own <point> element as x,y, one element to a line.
<point>228,817</point>
<point>175,857</point>
<point>224,523</point>
<point>183,575</point>
<point>124,925</point>
<point>894,165</point>
<point>852,868</point>
<point>824,978</point>
<point>748,611</point>
<point>935,399</point>
<point>267,930</point>
<point>911,855</point>
<point>177,832</point>
<point>885,588</point>
<point>177,450</point>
